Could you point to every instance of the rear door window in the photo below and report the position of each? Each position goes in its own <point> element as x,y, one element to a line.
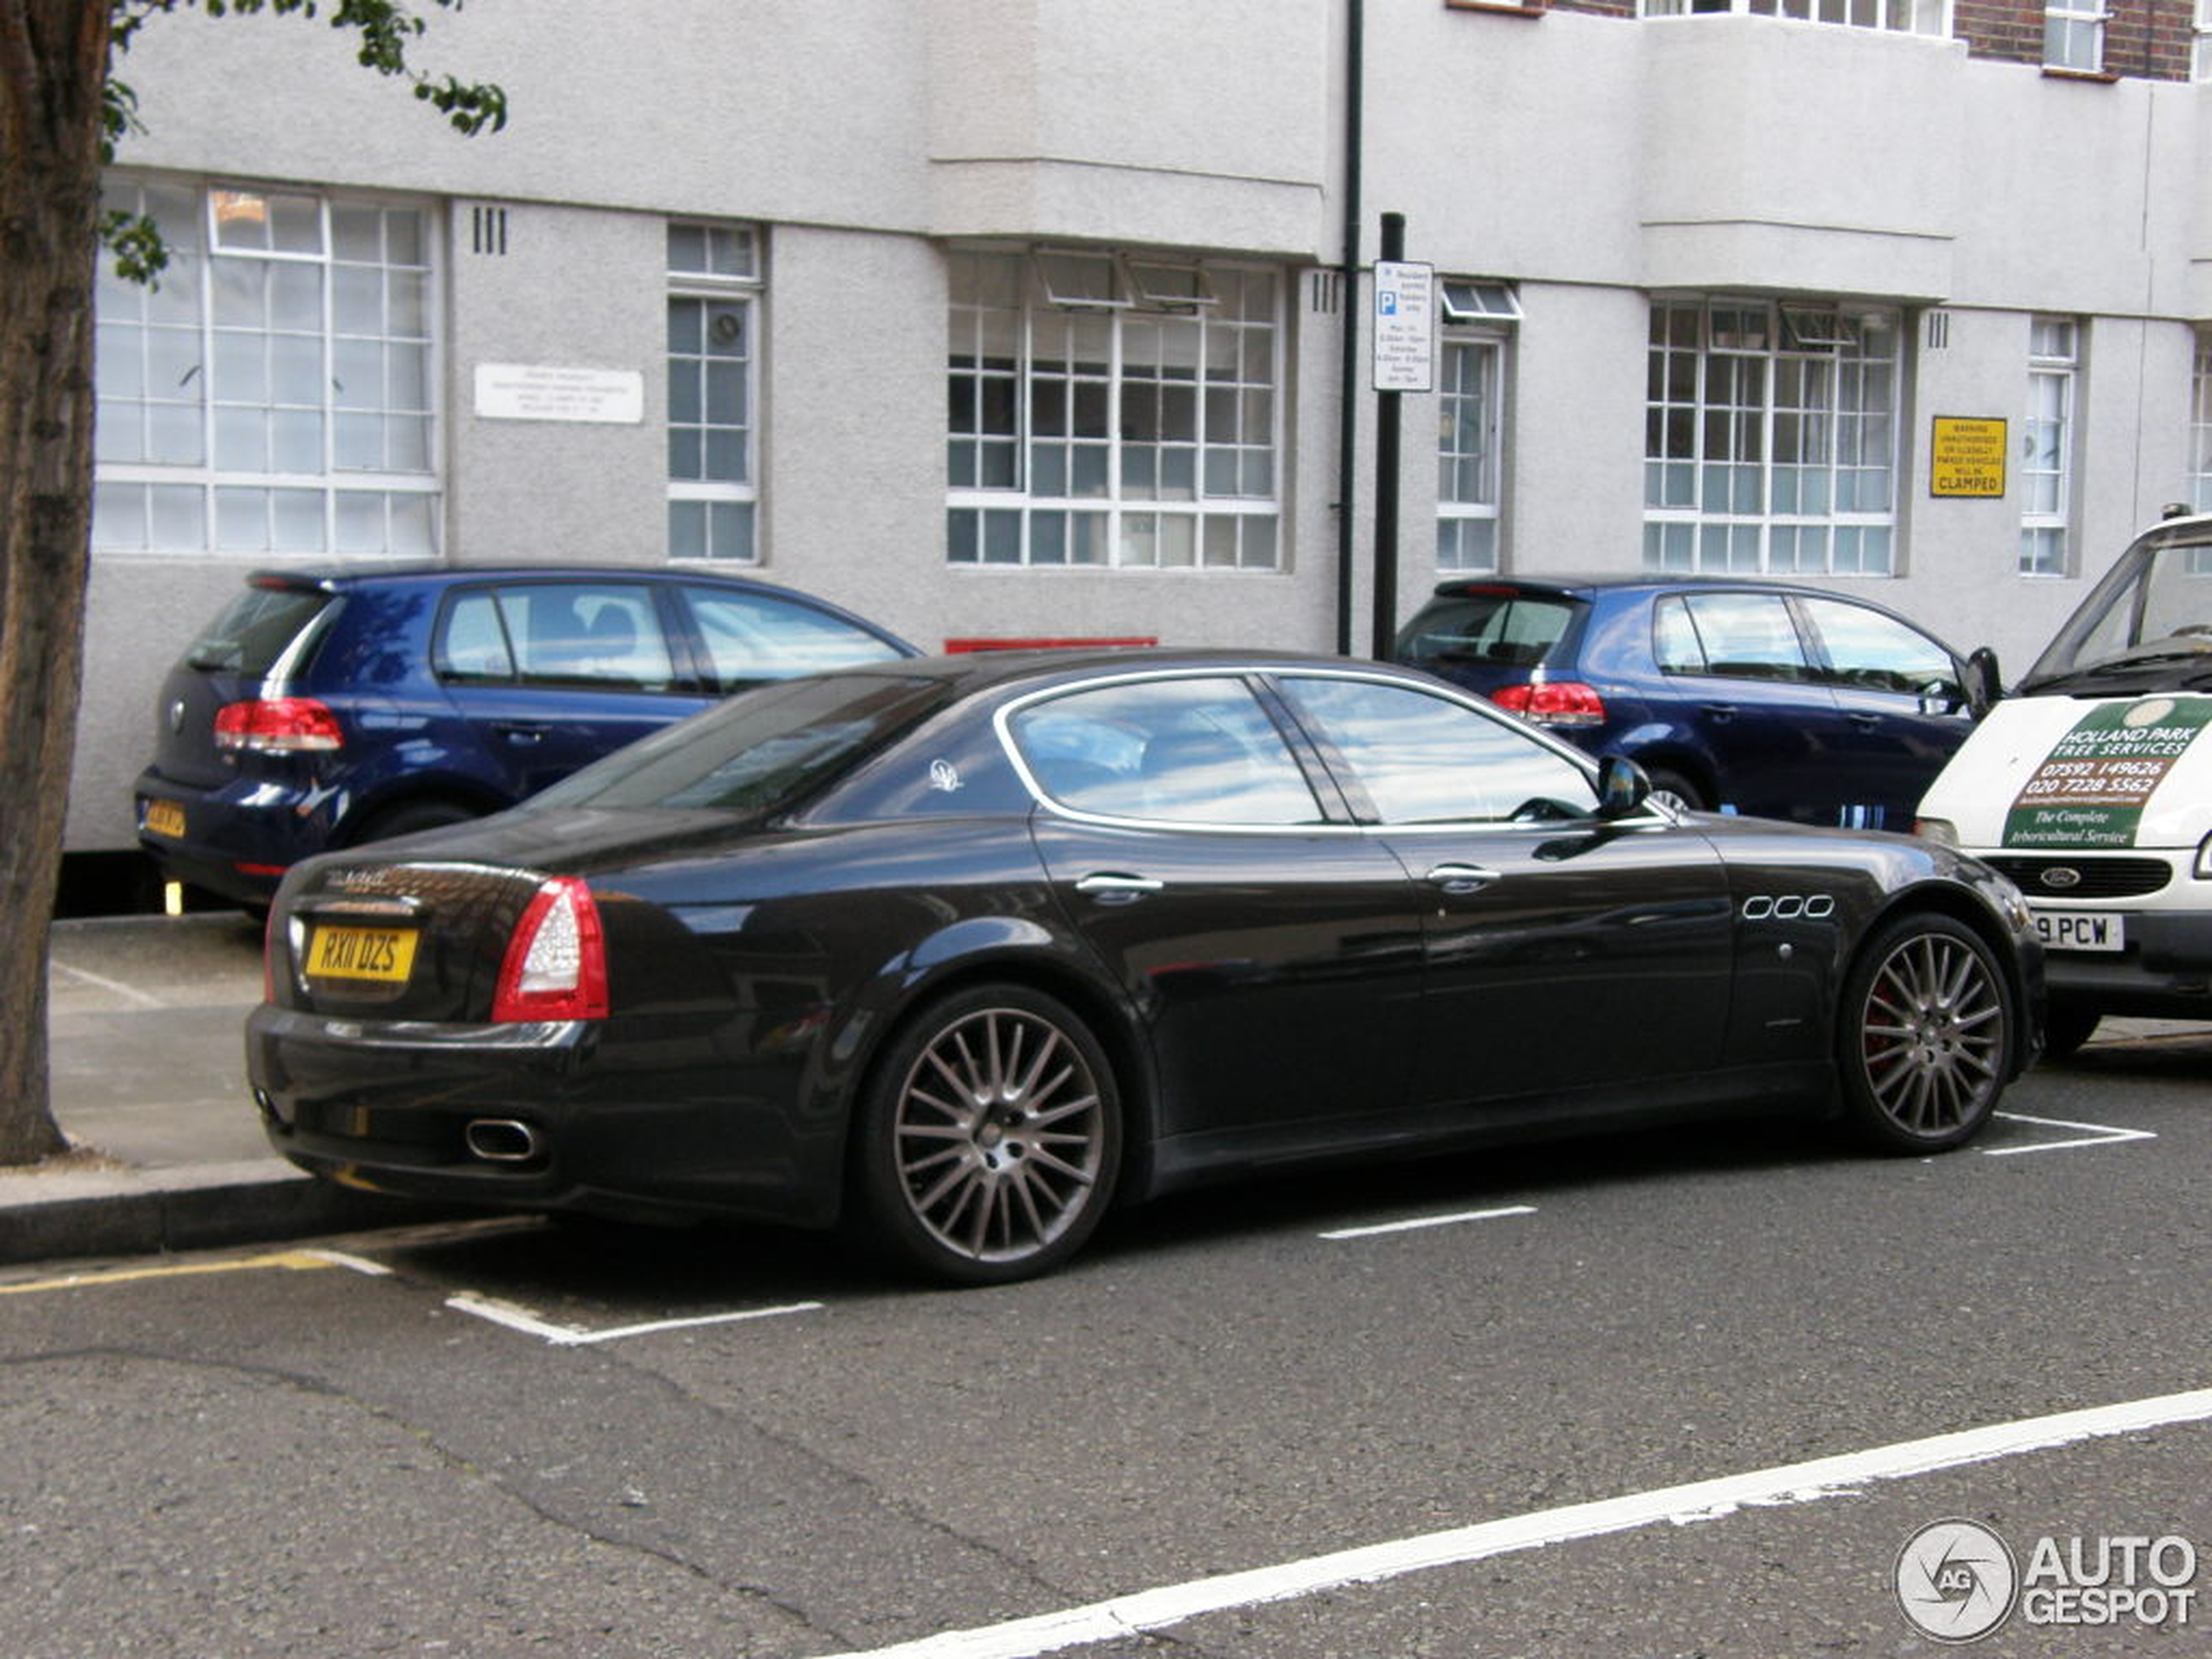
<point>1738,635</point>
<point>754,637</point>
<point>584,634</point>
<point>1199,750</point>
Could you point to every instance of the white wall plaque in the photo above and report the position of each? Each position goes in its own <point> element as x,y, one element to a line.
<point>1404,325</point>
<point>546,392</point>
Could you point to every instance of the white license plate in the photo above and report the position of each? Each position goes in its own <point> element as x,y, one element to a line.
<point>2081,930</point>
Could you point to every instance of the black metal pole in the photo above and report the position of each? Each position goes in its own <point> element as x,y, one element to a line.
<point>1387,460</point>
<point>1348,300</point>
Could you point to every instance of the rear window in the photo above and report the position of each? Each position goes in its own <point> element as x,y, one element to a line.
<point>255,629</point>
<point>1501,629</point>
<point>761,751</point>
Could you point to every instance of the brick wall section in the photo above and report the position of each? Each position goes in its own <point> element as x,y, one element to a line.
<point>2145,39</point>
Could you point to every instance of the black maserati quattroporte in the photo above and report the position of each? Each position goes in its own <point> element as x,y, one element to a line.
<point>959,951</point>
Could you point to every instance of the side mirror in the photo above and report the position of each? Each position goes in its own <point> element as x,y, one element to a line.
<point>1985,683</point>
<point>1622,787</point>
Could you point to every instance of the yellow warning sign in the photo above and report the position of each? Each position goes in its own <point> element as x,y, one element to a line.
<point>1967,456</point>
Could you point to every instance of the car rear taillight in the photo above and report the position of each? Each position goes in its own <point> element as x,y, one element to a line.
<point>1552,702</point>
<point>274,726</point>
<point>557,962</point>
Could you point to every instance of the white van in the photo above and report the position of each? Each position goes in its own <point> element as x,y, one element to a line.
<point>2090,785</point>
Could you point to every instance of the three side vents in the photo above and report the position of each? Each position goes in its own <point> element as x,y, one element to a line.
<point>488,230</point>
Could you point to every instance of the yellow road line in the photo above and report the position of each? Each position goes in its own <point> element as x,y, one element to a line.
<point>296,1261</point>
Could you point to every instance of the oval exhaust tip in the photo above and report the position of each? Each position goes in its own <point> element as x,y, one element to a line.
<point>502,1140</point>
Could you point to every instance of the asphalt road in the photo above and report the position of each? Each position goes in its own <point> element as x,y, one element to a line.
<point>515,1438</point>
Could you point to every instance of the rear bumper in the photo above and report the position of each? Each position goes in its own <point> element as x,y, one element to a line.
<point>440,1111</point>
<point>239,838</point>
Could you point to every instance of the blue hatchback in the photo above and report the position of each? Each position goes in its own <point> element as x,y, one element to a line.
<point>321,710</point>
<point>1747,696</point>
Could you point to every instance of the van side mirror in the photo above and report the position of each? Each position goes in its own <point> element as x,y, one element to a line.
<point>1622,787</point>
<point>1985,683</point>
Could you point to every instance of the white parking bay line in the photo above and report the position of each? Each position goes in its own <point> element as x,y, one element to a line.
<point>1130,1615</point>
<point>2093,1135</point>
<point>515,1317</point>
<point>1431,1221</point>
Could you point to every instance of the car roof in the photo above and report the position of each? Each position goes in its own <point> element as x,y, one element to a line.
<point>981,671</point>
<point>332,579</point>
<point>1578,587</point>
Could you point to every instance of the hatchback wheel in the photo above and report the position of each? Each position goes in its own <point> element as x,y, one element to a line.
<point>1926,1032</point>
<point>990,1138</point>
<point>1675,793</point>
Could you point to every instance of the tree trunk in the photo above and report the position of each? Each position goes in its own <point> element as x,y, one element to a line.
<point>53,62</point>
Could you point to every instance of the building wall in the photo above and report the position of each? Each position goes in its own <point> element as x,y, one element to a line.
<point>1592,159</point>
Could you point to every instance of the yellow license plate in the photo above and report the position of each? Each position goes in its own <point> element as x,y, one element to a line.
<point>385,955</point>
<point>166,817</point>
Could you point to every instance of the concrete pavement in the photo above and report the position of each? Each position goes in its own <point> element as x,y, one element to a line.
<point>146,1057</point>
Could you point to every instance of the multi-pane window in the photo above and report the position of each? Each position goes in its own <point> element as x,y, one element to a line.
<point>1108,410</point>
<point>713,280</point>
<point>1901,17</point>
<point>2047,444</point>
<point>273,392</point>
<point>2074,35</point>
<point>1771,437</point>
<point>2200,426</point>
<point>1467,453</point>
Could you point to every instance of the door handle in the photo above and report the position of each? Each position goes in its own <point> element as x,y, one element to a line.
<point>519,731</point>
<point>1116,886</point>
<point>1721,711</point>
<point>1864,719</point>
<point>1461,878</point>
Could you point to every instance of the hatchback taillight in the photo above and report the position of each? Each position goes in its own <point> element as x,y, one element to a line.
<point>277,725</point>
<point>1552,702</point>
<point>556,961</point>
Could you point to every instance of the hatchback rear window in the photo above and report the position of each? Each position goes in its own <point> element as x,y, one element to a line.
<point>761,751</point>
<point>255,629</point>
<point>1502,630</point>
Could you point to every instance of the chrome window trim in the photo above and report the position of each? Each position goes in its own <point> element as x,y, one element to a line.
<point>1001,718</point>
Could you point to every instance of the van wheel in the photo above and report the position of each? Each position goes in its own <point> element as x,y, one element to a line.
<point>405,820</point>
<point>989,1138</point>
<point>1925,1032</point>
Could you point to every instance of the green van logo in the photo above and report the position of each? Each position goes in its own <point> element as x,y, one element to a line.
<point>2090,789</point>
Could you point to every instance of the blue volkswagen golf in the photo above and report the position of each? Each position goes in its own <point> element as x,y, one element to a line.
<point>1761,698</point>
<point>323,710</point>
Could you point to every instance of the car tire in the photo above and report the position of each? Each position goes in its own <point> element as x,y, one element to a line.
<point>1672,790</point>
<point>407,819</point>
<point>1924,1036</point>
<point>989,1138</point>
<point>2066,1027</point>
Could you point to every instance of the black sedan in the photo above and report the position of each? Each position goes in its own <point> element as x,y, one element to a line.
<point>959,951</point>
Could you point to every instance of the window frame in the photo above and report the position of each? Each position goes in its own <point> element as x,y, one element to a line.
<point>2079,24</point>
<point>745,289</point>
<point>1480,515</point>
<point>1930,20</point>
<point>1732,423</point>
<point>996,373</point>
<point>2045,527</point>
<point>197,260</point>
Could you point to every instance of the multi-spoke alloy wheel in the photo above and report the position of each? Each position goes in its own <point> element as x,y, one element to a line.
<point>991,1139</point>
<point>1928,1036</point>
